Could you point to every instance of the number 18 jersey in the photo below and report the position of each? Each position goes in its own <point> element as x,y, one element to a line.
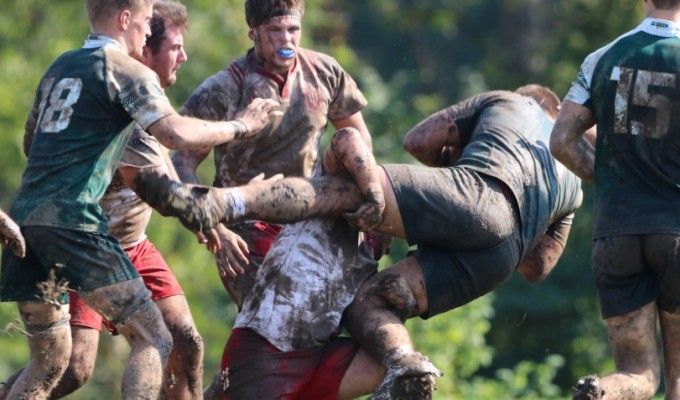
<point>80,123</point>
<point>632,85</point>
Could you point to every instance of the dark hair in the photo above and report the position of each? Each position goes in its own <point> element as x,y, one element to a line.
<point>166,13</point>
<point>545,97</point>
<point>261,11</point>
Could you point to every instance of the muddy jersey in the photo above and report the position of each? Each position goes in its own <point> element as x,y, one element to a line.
<point>505,135</point>
<point>316,90</point>
<point>632,86</point>
<point>309,276</point>
<point>128,215</point>
<point>77,130</point>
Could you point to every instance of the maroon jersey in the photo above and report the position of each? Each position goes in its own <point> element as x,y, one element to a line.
<point>316,90</point>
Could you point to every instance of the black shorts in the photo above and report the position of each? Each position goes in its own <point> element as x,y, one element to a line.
<point>455,278</point>
<point>466,228</point>
<point>633,270</point>
<point>81,261</point>
<point>455,208</point>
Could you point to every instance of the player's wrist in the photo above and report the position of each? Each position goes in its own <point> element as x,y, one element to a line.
<point>240,128</point>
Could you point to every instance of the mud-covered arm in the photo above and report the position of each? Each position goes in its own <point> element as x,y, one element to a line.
<point>357,122</point>
<point>572,138</point>
<point>10,235</point>
<point>544,256</point>
<point>435,141</point>
<point>186,163</point>
<point>175,131</point>
<point>348,152</point>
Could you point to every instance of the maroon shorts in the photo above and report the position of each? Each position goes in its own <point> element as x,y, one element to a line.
<point>154,271</point>
<point>252,368</point>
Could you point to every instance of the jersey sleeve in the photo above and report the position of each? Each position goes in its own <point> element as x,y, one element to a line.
<point>348,99</point>
<point>137,89</point>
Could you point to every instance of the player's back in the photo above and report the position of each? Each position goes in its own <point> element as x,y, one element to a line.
<point>636,100</point>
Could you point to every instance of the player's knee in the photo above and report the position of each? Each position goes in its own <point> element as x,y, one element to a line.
<point>140,321</point>
<point>396,292</point>
<point>187,342</point>
<point>76,375</point>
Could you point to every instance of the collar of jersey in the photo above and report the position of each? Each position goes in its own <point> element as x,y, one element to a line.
<point>95,40</point>
<point>660,27</point>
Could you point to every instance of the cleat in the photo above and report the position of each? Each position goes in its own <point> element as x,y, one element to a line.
<point>588,388</point>
<point>409,377</point>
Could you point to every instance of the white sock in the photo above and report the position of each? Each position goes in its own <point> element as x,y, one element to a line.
<point>238,203</point>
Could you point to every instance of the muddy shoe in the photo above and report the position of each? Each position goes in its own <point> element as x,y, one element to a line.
<point>196,206</point>
<point>409,377</point>
<point>588,388</point>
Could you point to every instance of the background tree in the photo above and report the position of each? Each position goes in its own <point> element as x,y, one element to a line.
<point>410,58</point>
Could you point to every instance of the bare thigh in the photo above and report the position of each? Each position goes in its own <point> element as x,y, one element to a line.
<point>362,377</point>
<point>114,301</point>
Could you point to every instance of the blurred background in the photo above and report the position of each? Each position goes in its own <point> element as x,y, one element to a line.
<point>410,58</point>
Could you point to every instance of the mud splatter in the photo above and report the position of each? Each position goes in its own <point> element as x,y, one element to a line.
<point>54,288</point>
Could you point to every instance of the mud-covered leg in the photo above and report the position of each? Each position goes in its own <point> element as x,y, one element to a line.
<point>183,375</point>
<point>376,319</point>
<point>282,201</point>
<point>634,345</point>
<point>49,340</point>
<point>129,307</point>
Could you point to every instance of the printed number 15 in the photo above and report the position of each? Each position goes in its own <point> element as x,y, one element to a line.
<point>641,96</point>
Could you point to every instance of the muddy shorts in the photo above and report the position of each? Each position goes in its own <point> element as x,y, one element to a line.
<point>157,276</point>
<point>455,278</point>
<point>448,213</point>
<point>259,236</point>
<point>633,270</point>
<point>83,260</point>
<point>455,208</point>
<point>252,368</point>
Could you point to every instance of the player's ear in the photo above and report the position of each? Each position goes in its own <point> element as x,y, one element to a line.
<point>124,19</point>
<point>252,35</point>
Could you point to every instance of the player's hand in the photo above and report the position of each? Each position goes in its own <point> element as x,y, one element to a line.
<point>233,255</point>
<point>11,237</point>
<point>259,178</point>
<point>210,238</point>
<point>258,114</point>
<point>367,217</point>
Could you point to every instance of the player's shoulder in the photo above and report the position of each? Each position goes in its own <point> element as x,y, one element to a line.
<point>124,69</point>
<point>317,58</point>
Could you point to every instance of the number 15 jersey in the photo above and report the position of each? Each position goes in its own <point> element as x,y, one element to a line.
<point>76,132</point>
<point>632,86</point>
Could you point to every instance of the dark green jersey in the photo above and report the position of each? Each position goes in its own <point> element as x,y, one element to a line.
<point>505,135</point>
<point>81,120</point>
<point>632,86</point>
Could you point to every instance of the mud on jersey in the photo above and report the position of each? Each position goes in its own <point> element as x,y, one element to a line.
<point>309,276</point>
<point>317,89</point>
<point>505,135</point>
<point>632,86</point>
<point>128,215</point>
<point>80,122</point>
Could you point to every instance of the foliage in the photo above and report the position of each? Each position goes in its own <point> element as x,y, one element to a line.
<point>410,58</point>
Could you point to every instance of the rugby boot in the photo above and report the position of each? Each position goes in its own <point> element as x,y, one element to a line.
<point>409,377</point>
<point>588,388</point>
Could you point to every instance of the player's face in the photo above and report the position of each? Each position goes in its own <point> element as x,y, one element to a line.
<point>169,58</point>
<point>276,43</point>
<point>139,29</point>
